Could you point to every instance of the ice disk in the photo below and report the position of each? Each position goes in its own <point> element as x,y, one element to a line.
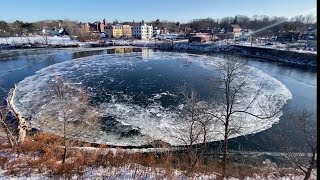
<point>138,99</point>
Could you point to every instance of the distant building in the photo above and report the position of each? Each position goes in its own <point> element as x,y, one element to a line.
<point>113,31</point>
<point>84,27</point>
<point>245,34</point>
<point>102,25</point>
<point>156,31</point>
<point>88,27</point>
<point>220,33</point>
<point>235,30</point>
<point>142,31</point>
<point>54,31</point>
<point>99,27</point>
<point>167,36</point>
<point>217,31</point>
<point>127,31</point>
<point>96,27</point>
<point>200,37</point>
<point>309,34</point>
<point>163,30</point>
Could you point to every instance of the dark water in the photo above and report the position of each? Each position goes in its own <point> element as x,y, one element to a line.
<point>15,65</point>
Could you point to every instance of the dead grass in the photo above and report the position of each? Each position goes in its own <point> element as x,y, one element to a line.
<point>42,153</point>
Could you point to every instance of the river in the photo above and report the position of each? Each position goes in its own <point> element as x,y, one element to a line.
<point>16,65</point>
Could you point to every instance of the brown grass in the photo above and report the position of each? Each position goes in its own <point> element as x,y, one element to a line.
<point>47,152</point>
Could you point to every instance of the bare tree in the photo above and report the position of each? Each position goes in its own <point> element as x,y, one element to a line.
<point>72,113</point>
<point>5,30</point>
<point>307,126</point>
<point>45,36</point>
<point>310,19</point>
<point>305,158</point>
<point>235,101</point>
<point>77,32</point>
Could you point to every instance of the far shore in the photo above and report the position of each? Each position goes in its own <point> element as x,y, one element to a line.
<point>297,58</point>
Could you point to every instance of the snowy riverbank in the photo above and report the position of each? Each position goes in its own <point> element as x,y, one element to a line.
<point>300,58</point>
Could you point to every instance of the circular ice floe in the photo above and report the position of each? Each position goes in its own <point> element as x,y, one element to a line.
<point>138,99</point>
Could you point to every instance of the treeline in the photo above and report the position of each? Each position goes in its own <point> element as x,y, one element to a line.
<point>255,22</point>
<point>298,23</point>
<point>18,28</point>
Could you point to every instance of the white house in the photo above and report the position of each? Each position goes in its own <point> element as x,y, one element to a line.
<point>143,31</point>
<point>156,31</point>
<point>245,34</point>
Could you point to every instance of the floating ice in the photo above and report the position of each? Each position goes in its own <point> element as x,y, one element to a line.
<point>137,97</point>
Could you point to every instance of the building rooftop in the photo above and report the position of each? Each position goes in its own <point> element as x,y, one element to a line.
<point>235,26</point>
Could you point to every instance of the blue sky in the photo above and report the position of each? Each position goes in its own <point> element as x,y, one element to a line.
<point>128,10</point>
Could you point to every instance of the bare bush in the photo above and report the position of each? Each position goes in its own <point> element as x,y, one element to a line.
<point>72,113</point>
<point>305,158</point>
<point>6,128</point>
<point>192,126</point>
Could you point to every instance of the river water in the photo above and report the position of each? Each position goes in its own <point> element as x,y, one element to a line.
<point>16,65</point>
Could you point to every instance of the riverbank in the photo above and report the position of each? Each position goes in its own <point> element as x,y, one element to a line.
<point>302,59</point>
<point>286,57</point>
<point>293,58</point>
<point>41,159</point>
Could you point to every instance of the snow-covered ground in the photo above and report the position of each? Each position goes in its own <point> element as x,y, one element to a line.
<point>278,46</point>
<point>182,44</point>
<point>39,39</point>
<point>126,171</point>
<point>136,171</point>
<point>16,168</point>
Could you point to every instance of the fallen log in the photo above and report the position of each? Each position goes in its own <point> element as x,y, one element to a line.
<point>22,127</point>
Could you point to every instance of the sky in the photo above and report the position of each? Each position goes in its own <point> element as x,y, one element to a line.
<point>148,10</point>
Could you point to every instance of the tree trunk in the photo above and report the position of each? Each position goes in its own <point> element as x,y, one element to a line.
<point>308,174</point>
<point>309,170</point>
<point>64,142</point>
<point>225,150</point>
<point>224,159</point>
<point>64,154</point>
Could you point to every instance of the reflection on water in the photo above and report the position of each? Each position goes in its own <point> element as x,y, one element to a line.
<point>122,50</point>
<point>82,54</point>
<point>147,53</point>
